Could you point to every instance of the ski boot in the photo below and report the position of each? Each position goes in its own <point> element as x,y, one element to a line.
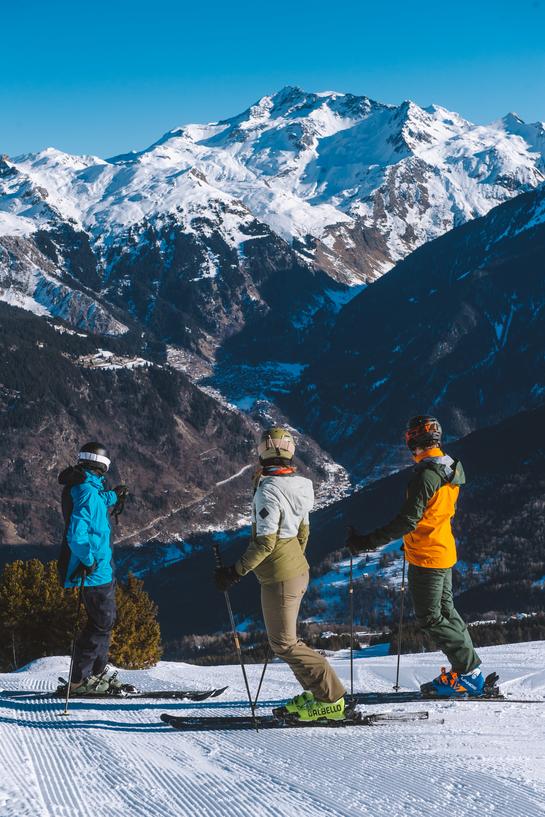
<point>306,708</point>
<point>89,686</point>
<point>114,686</point>
<point>454,685</point>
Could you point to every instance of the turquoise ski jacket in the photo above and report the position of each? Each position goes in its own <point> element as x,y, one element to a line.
<point>89,533</point>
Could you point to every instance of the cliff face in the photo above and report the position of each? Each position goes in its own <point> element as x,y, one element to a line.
<point>169,441</point>
<point>456,330</point>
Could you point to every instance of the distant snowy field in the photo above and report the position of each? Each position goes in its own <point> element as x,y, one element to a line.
<point>118,759</point>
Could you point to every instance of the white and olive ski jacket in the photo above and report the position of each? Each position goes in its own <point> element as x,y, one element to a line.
<point>280,529</point>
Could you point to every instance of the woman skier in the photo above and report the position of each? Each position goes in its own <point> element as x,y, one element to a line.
<point>276,554</point>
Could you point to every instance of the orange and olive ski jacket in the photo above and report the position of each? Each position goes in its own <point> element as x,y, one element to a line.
<point>424,520</point>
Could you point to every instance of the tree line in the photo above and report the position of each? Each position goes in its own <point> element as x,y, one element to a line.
<point>38,618</point>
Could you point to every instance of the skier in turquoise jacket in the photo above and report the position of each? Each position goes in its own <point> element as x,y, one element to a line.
<point>89,532</point>
<point>86,561</point>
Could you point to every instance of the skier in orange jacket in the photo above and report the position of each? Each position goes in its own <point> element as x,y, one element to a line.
<point>424,522</point>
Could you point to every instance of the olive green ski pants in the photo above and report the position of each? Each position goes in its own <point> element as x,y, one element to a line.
<point>431,591</point>
<point>281,602</point>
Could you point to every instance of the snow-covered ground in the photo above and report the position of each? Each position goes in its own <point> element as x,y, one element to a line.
<point>117,758</point>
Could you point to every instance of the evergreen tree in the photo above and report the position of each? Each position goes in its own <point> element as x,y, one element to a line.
<point>11,602</point>
<point>38,616</point>
<point>136,640</point>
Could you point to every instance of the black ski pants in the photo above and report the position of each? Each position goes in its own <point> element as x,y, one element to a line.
<point>93,642</point>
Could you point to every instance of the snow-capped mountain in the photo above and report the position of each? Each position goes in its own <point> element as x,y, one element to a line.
<point>240,237</point>
<point>181,257</point>
<point>184,233</point>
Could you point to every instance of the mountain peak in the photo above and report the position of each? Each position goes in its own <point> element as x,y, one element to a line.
<point>511,119</point>
<point>289,93</point>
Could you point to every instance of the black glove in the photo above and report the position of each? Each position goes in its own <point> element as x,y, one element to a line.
<point>357,542</point>
<point>225,577</point>
<point>82,571</point>
<point>122,492</point>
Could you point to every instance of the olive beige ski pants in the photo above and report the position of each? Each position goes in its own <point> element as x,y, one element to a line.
<point>281,602</point>
<point>431,591</point>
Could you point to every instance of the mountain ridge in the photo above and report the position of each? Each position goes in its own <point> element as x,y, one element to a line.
<point>352,185</point>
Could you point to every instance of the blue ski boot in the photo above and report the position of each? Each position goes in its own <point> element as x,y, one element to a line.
<point>452,685</point>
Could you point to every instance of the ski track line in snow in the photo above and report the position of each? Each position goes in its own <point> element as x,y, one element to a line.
<point>117,758</point>
<point>253,790</point>
<point>18,774</point>
<point>360,792</point>
<point>60,774</point>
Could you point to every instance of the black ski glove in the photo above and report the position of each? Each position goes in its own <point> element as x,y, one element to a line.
<point>83,571</point>
<point>357,542</point>
<point>225,577</point>
<point>122,492</point>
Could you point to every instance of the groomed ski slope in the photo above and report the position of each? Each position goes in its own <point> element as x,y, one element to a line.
<point>118,759</point>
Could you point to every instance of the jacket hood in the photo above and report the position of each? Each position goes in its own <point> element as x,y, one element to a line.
<point>296,491</point>
<point>73,475</point>
<point>449,470</point>
<point>77,474</point>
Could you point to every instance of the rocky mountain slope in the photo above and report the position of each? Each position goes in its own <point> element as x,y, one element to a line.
<point>169,441</point>
<point>499,527</point>
<point>185,454</point>
<point>457,330</point>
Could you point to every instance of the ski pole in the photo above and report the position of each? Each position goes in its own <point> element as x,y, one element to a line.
<point>351,598</point>
<point>396,685</point>
<point>76,628</point>
<point>265,665</point>
<point>235,638</point>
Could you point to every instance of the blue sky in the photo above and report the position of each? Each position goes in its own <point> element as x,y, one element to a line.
<point>104,78</point>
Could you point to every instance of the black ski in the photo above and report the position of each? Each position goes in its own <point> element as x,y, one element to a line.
<point>244,722</point>
<point>370,698</point>
<point>158,694</point>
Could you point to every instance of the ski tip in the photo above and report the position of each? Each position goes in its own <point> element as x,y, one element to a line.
<point>218,692</point>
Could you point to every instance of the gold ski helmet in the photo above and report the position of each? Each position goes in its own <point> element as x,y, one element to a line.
<point>276,444</point>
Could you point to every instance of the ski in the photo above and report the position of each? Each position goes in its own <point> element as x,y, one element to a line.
<point>370,698</point>
<point>246,722</point>
<point>154,694</point>
<point>491,694</point>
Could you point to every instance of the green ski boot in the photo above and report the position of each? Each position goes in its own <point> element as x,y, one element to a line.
<point>92,685</point>
<point>115,686</point>
<point>306,708</point>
